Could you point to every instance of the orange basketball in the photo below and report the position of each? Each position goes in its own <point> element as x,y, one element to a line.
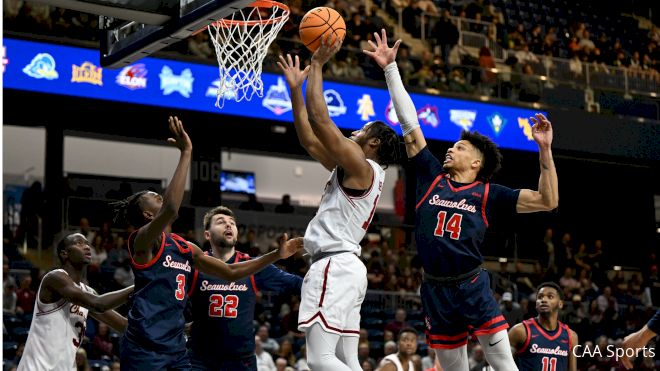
<point>319,22</point>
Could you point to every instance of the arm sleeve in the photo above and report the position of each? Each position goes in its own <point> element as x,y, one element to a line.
<point>654,323</point>
<point>403,104</point>
<point>272,278</point>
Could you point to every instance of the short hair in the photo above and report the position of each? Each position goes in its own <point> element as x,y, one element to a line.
<point>409,330</point>
<point>223,210</point>
<point>129,209</point>
<point>492,157</point>
<point>389,150</point>
<point>551,285</point>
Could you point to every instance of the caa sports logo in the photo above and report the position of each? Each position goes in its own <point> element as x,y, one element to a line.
<point>277,98</point>
<point>170,83</point>
<point>133,77</point>
<point>87,73</point>
<point>463,118</point>
<point>229,91</point>
<point>497,122</point>
<point>427,115</point>
<point>334,102</point>
<point>42,66</point>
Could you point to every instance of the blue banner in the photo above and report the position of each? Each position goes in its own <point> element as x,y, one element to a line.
<point>73,71</point>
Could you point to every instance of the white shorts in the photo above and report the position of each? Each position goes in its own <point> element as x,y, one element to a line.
<point>332,293</point>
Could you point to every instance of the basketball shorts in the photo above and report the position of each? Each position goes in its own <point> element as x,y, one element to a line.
<point>332,293</point>
<point>458,310</point>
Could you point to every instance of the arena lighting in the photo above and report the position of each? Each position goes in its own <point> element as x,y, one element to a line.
<point>617,267</point>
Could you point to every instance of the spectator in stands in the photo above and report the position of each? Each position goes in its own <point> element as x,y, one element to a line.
<point>285,207</point>
<point>25,296</point>
<point>398,323</point>
<point>264,359</point>
<point>252,204</point>
<point>102,344</point>
<point>267,343</point>
<point>510,309</point>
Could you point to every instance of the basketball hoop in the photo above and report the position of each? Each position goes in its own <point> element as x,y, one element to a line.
<point>241,43</point>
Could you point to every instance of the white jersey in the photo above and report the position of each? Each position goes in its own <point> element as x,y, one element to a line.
<point>394,358</point>
<point>342,220</point>
<point>55,335</point>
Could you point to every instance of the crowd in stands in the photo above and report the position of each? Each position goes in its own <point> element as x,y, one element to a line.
<point>442,65</point>
<point>601,305</point>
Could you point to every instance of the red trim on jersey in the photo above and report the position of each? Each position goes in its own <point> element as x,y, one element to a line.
<point>545,334</point>
<point>325,281</point>
<point>431,187</point>
<point>528,332</point>
<point>153,260</point>
<point>326,325</point>
<point>483,204</point>
<point>194,283</point>
<point>467,186</point>
<point>491,330</point>
<point>445,337</point>
<point>40,313</point>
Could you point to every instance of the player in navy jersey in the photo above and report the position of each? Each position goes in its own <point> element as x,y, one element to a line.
<point>543,343</point>
<point>223,310</point>
<point>455,204</point>
<point>163,267</point>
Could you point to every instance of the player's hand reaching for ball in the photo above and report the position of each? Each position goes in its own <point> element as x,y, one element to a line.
<point>381,53</point>
<point>180,139</point>
<point>542,131</point>
<point>294,76</point>
<point>290,246</point>
<point>329,47</point>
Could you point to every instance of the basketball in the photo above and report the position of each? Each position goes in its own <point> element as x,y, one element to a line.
<point>319,22</point>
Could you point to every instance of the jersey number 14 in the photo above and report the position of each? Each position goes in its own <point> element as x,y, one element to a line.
<point>453,225</point>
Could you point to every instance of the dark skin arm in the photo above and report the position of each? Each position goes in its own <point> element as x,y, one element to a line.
<point>58,285</point>
<point>113,319</point>
<point>232,272</point>
<point>147,236</point>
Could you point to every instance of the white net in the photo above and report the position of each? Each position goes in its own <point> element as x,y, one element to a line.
<point>241,43</point>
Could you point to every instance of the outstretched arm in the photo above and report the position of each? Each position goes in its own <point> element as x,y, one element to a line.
<point>346,152</point>
<point>64,286</point>
<point>232,272</point>
<point>404,107</point>
<point>171,199</point>
<point>547,196</point>
<point>295,78</point>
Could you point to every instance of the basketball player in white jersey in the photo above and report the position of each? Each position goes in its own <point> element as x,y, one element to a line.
<point>402,360</point>
<point>335,285</point>
<point>60,313</point>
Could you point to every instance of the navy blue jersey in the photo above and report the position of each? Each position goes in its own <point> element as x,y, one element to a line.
<point>155,320</point>
<point>451,218</point>
<point>544,351</point>
<point>223,311</point>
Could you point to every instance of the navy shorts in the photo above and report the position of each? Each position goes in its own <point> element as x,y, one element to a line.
<point>134,357</point>
<point>247,363</point>
<point>455,311</point>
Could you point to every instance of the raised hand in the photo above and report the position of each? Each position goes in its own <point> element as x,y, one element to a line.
<point>381,53</point>
<point>294,76</point>
<point>327,49</point>
<point>291,246</point>
<point>181,139</point>
<point>542,131</point>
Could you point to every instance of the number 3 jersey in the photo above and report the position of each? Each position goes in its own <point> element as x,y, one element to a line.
<point>55,335</point>
<point>342,219</point>
<point>155,319</point>
<point>452,218</point>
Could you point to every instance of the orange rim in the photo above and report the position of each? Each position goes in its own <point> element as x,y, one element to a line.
<point>256,4</point>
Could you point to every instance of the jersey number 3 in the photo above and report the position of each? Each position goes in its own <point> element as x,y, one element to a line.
<point>453,225</point>
<point>223,306</point>
<point>549,363</point>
